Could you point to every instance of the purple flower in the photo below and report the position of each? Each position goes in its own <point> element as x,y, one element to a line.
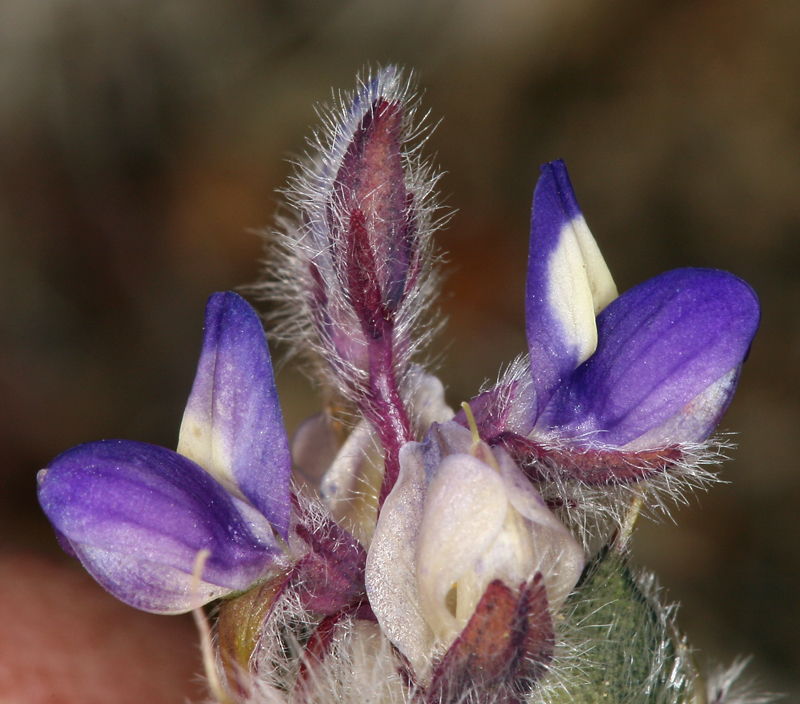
<point>653,368</point>
<point>138,515</point>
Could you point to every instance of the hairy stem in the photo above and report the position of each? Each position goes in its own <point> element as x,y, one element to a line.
<point>384,408</point>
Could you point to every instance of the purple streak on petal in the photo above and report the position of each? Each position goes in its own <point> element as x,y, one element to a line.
<point>552,356</point>
<point>233,425</point>
<point>661,346</point>
<point>121,503</point>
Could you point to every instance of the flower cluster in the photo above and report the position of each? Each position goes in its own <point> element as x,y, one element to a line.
<point>428,556</point>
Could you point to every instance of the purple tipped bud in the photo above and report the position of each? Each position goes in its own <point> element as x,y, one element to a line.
<point>370,214</point>
<point>359,253</point>
<point>368,223</point>
<point>360,245</point>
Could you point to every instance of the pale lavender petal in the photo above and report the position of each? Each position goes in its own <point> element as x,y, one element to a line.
<point>668,356</point>
<point>568,284</point>
<point>391,573</point>
<point>233,425</point>
<point>349,487</point>
<point>137,515</point>
<point>146,585</point>
<point>557,555</point>
<point>426,398</point>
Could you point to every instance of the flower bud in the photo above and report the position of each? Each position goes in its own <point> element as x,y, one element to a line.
<point>359,248</point>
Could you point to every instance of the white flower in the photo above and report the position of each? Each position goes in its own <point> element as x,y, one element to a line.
<point>460,516</point>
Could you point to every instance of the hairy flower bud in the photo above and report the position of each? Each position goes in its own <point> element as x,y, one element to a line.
<point>357,260</point>
<point>371,216</point>
<point>358,248</point>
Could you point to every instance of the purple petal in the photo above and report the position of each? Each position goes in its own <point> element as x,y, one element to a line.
<point>233,425</point>
<point>146,585</point>
<point>137,515</point>
<point>568,284</point>
<point>666,364</point>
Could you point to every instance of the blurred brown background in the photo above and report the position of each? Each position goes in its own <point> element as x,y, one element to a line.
<point>141,143</point>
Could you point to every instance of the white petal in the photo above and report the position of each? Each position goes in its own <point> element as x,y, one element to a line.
<point>556,554</point>
<point>350,487</point>
<point>464,512</point>
<point>579,287</point>
<point>599,278</point>
<point>427,399</point>
<point>391,562</point>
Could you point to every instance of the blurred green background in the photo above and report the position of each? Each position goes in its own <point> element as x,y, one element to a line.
<point>142,141</point>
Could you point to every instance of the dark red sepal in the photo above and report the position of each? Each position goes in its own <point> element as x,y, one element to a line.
<point>314,654</point>
<point>330,577</point>
<point>595,467</point>
<point>502,652</point>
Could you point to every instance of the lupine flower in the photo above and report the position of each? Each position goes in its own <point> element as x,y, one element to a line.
<point>137,515</point>
<point>657,366</point>
<point>460,517</point>
<point>617,389</point>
